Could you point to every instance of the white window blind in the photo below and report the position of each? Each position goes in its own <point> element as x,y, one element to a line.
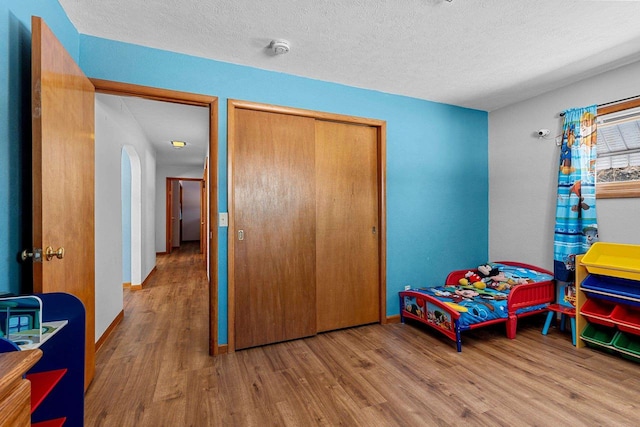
<point>618,145</point>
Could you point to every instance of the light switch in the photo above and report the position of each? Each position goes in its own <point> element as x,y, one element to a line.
<point>223,219</point>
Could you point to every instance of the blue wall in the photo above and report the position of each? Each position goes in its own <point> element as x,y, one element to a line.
<point>437,177</point>
<point>437,156</point>
<point>15,128</point>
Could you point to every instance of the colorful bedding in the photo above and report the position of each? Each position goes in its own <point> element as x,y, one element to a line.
<point>485,299</point>
<point>499,292</point>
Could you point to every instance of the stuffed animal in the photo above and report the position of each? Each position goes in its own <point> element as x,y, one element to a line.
<point>500,282</point>
<point>472,277</point>
<point>500,277</point>
<point>487,270</point>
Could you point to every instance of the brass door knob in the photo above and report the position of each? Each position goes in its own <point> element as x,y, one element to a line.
<point>50,253</point>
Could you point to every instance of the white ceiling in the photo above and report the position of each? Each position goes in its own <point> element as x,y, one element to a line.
<point>163,121</point>
<point>483,54</point>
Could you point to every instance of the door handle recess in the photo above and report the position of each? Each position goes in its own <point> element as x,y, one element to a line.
<point>240,234</point>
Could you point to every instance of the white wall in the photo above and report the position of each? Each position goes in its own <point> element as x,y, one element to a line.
<point>523,171</point>
<point>115,127</point>
<point>162,173</point>
<point>148,212</point>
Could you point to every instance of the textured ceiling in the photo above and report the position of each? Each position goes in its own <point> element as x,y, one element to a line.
<point>483,54</point>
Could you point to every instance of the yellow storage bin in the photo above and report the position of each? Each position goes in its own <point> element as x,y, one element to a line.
<point>613,259</point>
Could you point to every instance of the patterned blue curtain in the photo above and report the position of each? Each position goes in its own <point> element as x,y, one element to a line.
<point>576,226</point>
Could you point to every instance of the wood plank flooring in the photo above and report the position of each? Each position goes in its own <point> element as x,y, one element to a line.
<point>155,371</point>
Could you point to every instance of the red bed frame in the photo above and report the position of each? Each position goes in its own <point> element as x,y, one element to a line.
<point>521,296</point>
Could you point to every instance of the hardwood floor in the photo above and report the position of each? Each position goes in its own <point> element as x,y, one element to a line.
<point>155,371</point>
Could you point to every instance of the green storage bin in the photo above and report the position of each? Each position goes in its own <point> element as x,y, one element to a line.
<point>599,336</point>
<point>628,345</point>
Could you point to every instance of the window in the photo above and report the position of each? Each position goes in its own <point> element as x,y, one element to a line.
<point>618,147</point>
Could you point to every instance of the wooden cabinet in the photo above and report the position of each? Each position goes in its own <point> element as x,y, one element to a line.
<point>608,299</point>
<point>15,390</point>
<point>54,384</point>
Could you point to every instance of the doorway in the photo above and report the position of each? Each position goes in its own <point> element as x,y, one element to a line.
<point>185,212</point>
<point>211,103</point>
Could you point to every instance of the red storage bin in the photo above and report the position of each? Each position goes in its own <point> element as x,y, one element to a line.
<point>627,319</point>
<point>598,311</point>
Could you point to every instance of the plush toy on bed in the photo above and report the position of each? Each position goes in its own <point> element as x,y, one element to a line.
<point>487,270</point>
<point>500,282</point>
<point>471,278</point>
<point>494,278</point>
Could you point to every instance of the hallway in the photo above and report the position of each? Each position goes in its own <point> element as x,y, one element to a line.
<point>144,368</point>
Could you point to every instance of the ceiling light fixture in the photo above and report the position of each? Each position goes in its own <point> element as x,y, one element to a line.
<point>178,144</point>
<point>279,47</point>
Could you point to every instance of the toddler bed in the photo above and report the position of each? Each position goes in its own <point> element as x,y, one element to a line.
<point>493,293</point>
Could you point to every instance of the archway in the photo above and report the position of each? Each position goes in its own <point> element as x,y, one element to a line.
<point>131,216</point>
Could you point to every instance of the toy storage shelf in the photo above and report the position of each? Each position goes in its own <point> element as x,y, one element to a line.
<point>608,299</point>
<point>58,422</point>
<point>614,260</point>
<point>41,385</point>
<point>57,379</point>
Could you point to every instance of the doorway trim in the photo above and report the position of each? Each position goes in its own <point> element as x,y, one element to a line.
<point>381,127</point>
<point>211,102</point>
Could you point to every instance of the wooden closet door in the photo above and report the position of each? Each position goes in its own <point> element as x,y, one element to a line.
<point>347,225</point>
<point>274,211</point>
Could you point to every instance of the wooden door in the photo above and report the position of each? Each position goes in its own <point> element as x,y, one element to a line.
<point>203,212</point>
<point>178,239</point>
<point>169,215</point>
<point>63,176</point>
<point>176,215</point>
<point>273,206</point>
<point>348,229</point>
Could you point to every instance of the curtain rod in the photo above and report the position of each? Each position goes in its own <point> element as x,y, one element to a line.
<point>612,102</point>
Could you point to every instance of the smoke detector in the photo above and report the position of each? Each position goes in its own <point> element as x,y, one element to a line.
<point>279,47</point>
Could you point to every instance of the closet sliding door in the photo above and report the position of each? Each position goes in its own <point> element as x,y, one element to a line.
<point>306,236</point>
<point>347,225</point>
<point>273,227</point>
